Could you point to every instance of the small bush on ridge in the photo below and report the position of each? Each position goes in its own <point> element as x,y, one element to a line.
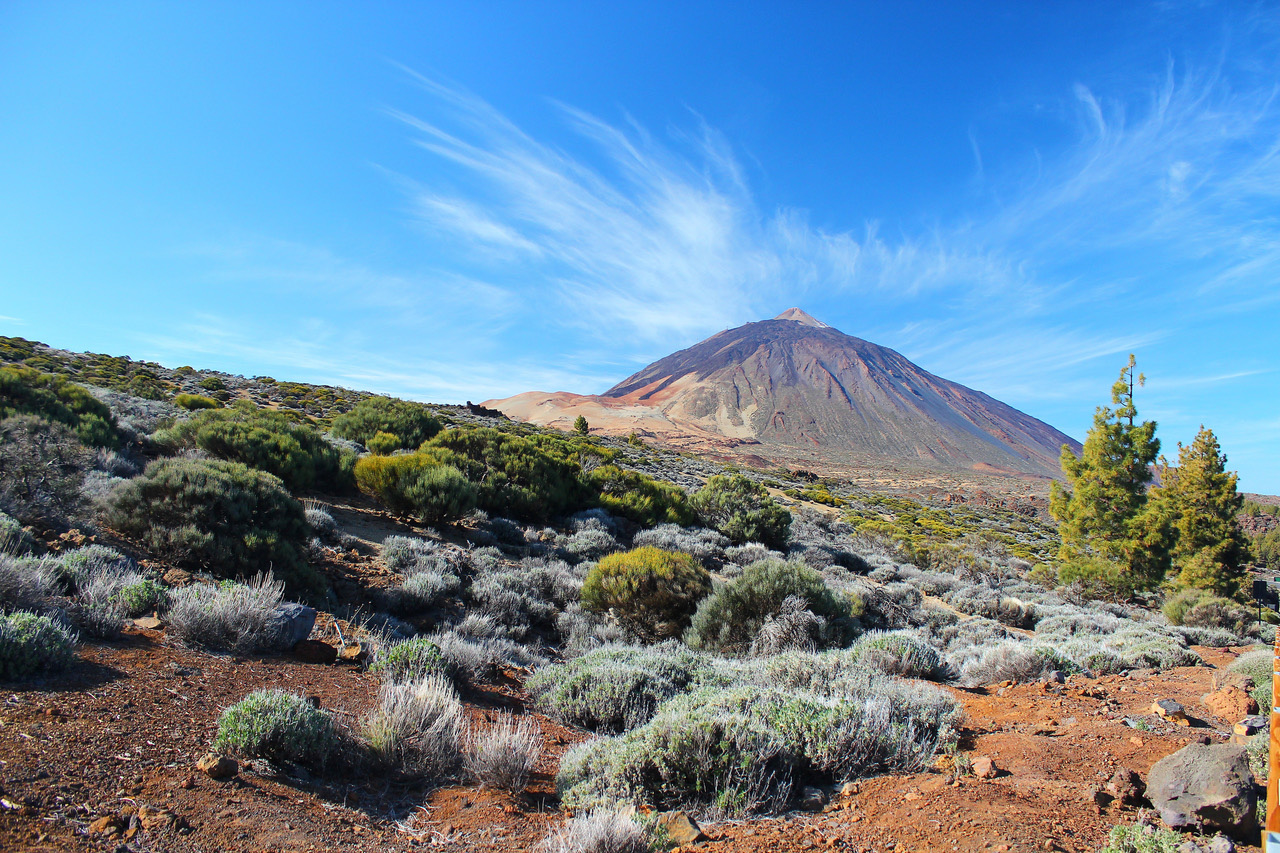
<point>278,726</point>
<point>411,660</point>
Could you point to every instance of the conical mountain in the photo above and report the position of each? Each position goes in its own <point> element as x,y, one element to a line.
<point>797,389</point>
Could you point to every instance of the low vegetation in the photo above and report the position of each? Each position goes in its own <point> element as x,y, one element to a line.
<point>278,726</point>
<point>654,593</point>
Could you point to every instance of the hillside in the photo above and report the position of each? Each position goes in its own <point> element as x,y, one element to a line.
<point>795,390</point>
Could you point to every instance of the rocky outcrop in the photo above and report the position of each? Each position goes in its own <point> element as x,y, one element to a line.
<point>1205,787</point>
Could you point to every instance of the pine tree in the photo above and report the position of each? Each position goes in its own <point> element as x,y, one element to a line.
<point>1201,498</point>
<point>580,426</point>
<point>1111,535</point>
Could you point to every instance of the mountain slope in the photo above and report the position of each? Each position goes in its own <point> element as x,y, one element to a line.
<point>797,388</point>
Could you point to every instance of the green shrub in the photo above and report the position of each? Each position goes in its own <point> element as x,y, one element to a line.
<point>221,516</point>
<point>1258,666</point>
<point>898,653</point>
<point>526,478</point>
<point>229,617</point>
<point>411,660</point>
<point>142,597</point>
<point>742,510</point>
<point>24,391</point>
<point>616,688</point>
<point>195,402</point>
<point>42,466</point>
<point>278,726</point>
<point>416,484</point>
<point>383,443</point>
<point>651,591</point>
<point>409,423</point>
<point>741,749</point>
<point>14,540</point>
<point>269,441</point>
<point>1200,608</point>
<point>729,619</point>
<point>32,645</point>
<point>644,500</point>
<point>1136,838</point>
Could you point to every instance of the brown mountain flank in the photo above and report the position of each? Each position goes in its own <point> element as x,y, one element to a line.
<point>795,390</point>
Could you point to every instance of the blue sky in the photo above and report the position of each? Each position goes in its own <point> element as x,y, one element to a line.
<point>469,200</point>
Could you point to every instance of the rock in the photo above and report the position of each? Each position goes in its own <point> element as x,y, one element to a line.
<point>984,767</point>
<point>107,825</point>
<point>1127,787</point>
<point>217,766</point>
<point>153,819</point>
<point>354,653</point>
<point>151,623</point>
<point>314,651</point>
<point>1226,678</point>
<point>1190,847</point>
<point>1206,788</point>
<point>849,789</point>
<point>1250,726</point>
<point>177,577</point>
<point>1098,797</point>
<point>1221,844</point>
<point>680,827</point>
<point>1170,710</point>
<point>1230,703</point>
<point>812,799</point>
<point>295,622</point>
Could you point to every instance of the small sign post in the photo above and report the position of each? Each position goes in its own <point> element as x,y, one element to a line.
<point>1271,834</point>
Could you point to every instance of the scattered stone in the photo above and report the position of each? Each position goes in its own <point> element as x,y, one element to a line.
<point>1098,797</point>
<point>984,767</point>
<point>188,783</point>
<point>150,623</point>
<point>812,799</point>
<point>1221,844</point>
<point>218,766</point>
<point>107,825</point>
<point>1190,847</point>
<point>849,789</point>
<point>1230,703</point>
<point>1127,787</point>
<point>1250,726</point>
<point>314,651</point>
<point>1169,710</point>
<point>354,653</point>
<point>680,827</point>
<point>295,621</point>
<point>153,819</point>
<point>1206,788</point>
<point>177,577</point>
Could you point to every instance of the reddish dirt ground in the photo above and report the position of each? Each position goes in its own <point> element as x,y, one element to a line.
<point>118,736</point>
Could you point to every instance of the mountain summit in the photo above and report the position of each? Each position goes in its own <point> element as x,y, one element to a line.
<point>793,389</point>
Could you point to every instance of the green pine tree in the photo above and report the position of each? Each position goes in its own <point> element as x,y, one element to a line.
<point>1113,539</point>
<point>580,426</point>
<point>1201,498</point>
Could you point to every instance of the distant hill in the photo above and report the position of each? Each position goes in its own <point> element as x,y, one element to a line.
<point>795,390</point>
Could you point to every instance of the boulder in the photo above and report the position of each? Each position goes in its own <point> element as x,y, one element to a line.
<point>1250,726</point>
<point>680,827</point>
<point>812,799</point>
<point>150,623</point>
<point>1230,703</point>
<point>295,622</point>
<point>217,766</point>
<point>1205,787</point>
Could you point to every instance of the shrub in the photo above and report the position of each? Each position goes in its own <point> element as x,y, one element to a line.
<point>267,440</point>
<point>383,444</point>
<point>278,726</point>
<point>793,627</point>
<point>1257,666</point>
<point>424,590</point>
<point>524,599</point>
<point>742,510</point>
<point>1199,608</point>
<point>742,749</point>
<point>707,545</point>
<point>598,832</point>
<point>230,617</point>
<point>418,725</point>
<point>221,516</point>
<point>505,754</point>
<point>1139,838</point>
<point>79,566</point>
<point>42,465</point>
<point>14,541</point>
<point>522,477</point>
<point>26,583</point>
<point>411,660</point>
<point>416,484</point>
<point>406,554</point>
<point>641,498</point>
<point>407,424</point>
<point>898,653</point>
<point>195,402</point>
<point>615,688</point>
<point>653,592</point>
<point>141,596</point>
<point>731,617</point>
<point>32,645</point>
<point>24,391</point>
